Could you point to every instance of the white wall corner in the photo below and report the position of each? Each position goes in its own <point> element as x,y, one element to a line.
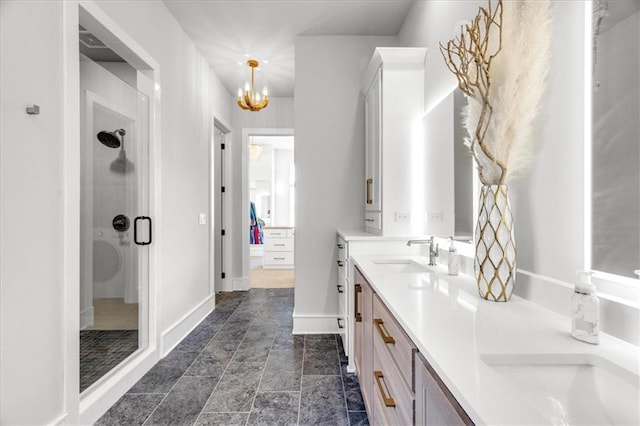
<point>181,328</point>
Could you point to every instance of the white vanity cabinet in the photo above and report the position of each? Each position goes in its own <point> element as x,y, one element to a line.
<point>349,243</point>
<point>393,88</point>
<point>278,248</point>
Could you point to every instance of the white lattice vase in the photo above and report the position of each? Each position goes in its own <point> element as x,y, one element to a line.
<point>495,262</point>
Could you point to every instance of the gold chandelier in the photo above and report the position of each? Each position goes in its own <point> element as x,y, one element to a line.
<point>248,98</point>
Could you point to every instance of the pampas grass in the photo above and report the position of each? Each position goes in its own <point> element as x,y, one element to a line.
<point>502,108</point>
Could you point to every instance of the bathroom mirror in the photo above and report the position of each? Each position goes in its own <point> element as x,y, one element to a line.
<point>449,171</point>
<point>615,141</point>
<point>463,173</point>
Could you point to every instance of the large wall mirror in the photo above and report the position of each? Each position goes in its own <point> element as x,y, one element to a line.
<point>449,171</point>
<point>616,138</point>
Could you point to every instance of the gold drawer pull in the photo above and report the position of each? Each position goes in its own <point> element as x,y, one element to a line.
<point>340,290</point>
<point>340,325</point>
<point>388,401</point>
<point>369,183</point>
<point>386,337</point>
<point>357,290</point>
<point>340,263</point>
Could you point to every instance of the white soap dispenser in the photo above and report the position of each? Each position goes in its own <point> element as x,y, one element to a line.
<point>584,309</point>
<point>453,259</point>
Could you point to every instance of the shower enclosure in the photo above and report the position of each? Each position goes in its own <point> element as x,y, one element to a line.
<point>114,231</point>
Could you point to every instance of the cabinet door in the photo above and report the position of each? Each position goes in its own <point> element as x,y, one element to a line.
<point>373,142</point>
<point>363,339</point>
<point>435,405</point>
<point>367,346</point>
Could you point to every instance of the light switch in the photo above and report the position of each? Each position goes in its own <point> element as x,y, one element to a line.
<point>202,219</point>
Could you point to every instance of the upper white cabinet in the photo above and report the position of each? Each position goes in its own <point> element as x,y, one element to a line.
<point>393,88</point>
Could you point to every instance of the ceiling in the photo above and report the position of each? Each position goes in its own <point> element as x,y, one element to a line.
<point>225,31</point>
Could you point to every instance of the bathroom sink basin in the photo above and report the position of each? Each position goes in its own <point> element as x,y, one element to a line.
<point>572,388</point>
<point>401,265</point>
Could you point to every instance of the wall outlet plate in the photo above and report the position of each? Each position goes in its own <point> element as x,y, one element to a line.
<point>202,218</point>
<point>403,216</point>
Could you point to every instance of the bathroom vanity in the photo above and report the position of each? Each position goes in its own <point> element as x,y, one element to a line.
<point>429,350</point>
<point>278,247</point>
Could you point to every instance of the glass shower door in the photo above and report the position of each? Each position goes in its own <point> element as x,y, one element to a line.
<point>115,224</point>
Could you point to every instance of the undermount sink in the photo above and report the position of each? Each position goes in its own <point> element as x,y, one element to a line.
<point>401,265</point>
<point>572,388</point>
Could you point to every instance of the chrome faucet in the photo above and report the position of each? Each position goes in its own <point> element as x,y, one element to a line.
<point>433,250</point>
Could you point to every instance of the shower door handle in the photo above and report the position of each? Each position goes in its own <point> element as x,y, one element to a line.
<point>135,230</point>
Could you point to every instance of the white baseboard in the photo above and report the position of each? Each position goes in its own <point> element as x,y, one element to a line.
<point>240,284</point>
<point>116,383</point>
<point>315,324</point>
<point>86,318</point>
<point>181,328</point>
<point>60,420</point>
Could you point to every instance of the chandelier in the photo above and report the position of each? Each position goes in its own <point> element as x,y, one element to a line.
<point>248,98</point>
<point>254,151</point>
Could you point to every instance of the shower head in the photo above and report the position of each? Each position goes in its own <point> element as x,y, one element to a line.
<point>111,139</point>
<point>122,164</point>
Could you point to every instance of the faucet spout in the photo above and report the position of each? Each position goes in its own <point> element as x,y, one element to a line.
<point>433,249</point>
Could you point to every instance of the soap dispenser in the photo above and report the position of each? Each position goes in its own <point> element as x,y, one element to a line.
<point>584,307</point>
<point>453,260</point>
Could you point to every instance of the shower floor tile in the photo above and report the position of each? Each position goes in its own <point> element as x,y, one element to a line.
<point>102,350</point>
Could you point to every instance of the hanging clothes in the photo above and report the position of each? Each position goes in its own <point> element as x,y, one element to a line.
<point>255,227</point>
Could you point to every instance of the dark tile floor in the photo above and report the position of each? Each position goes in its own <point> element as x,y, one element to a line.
<point>102,350</point>
<point>242,366</point>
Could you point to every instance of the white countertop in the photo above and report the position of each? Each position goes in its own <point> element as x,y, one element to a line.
<point>453,327</point>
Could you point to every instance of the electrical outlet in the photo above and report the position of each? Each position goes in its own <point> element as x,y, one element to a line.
<point>202,218</point>
<point>403,216</point>
<point>435,217</point>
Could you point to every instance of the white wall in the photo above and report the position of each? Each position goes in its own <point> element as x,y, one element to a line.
<point>329,158</point>
<point>31,213</point>
<point>33,357</point>
<point>548,203</point>
<point>283,160</point>
<point>278,115</point>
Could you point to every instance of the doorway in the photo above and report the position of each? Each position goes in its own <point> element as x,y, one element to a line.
<point>271,211</point>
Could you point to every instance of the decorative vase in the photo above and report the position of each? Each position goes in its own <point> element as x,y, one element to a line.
<point>495,261</point>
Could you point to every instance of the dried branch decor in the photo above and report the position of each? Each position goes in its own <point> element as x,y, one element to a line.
<point>501,60</point>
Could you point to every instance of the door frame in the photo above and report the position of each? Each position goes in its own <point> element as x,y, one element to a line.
<point>216,283</point>
<point>245,219</point>
<point>94,402</point>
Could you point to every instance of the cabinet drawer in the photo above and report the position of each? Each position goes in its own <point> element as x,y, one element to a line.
<point>387,380</point>
<point>389,335</point>
<point>275,233</point>
<point>278,258</point>
<point>342,301</point>
<point>341,245</point>
<point>278,244</point>
<point>373,220</point>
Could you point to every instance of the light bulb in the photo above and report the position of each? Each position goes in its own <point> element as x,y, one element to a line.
<point>258,97</point>
<point>239,92</point>
<point>265,92</point>
<point>247,87</point>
